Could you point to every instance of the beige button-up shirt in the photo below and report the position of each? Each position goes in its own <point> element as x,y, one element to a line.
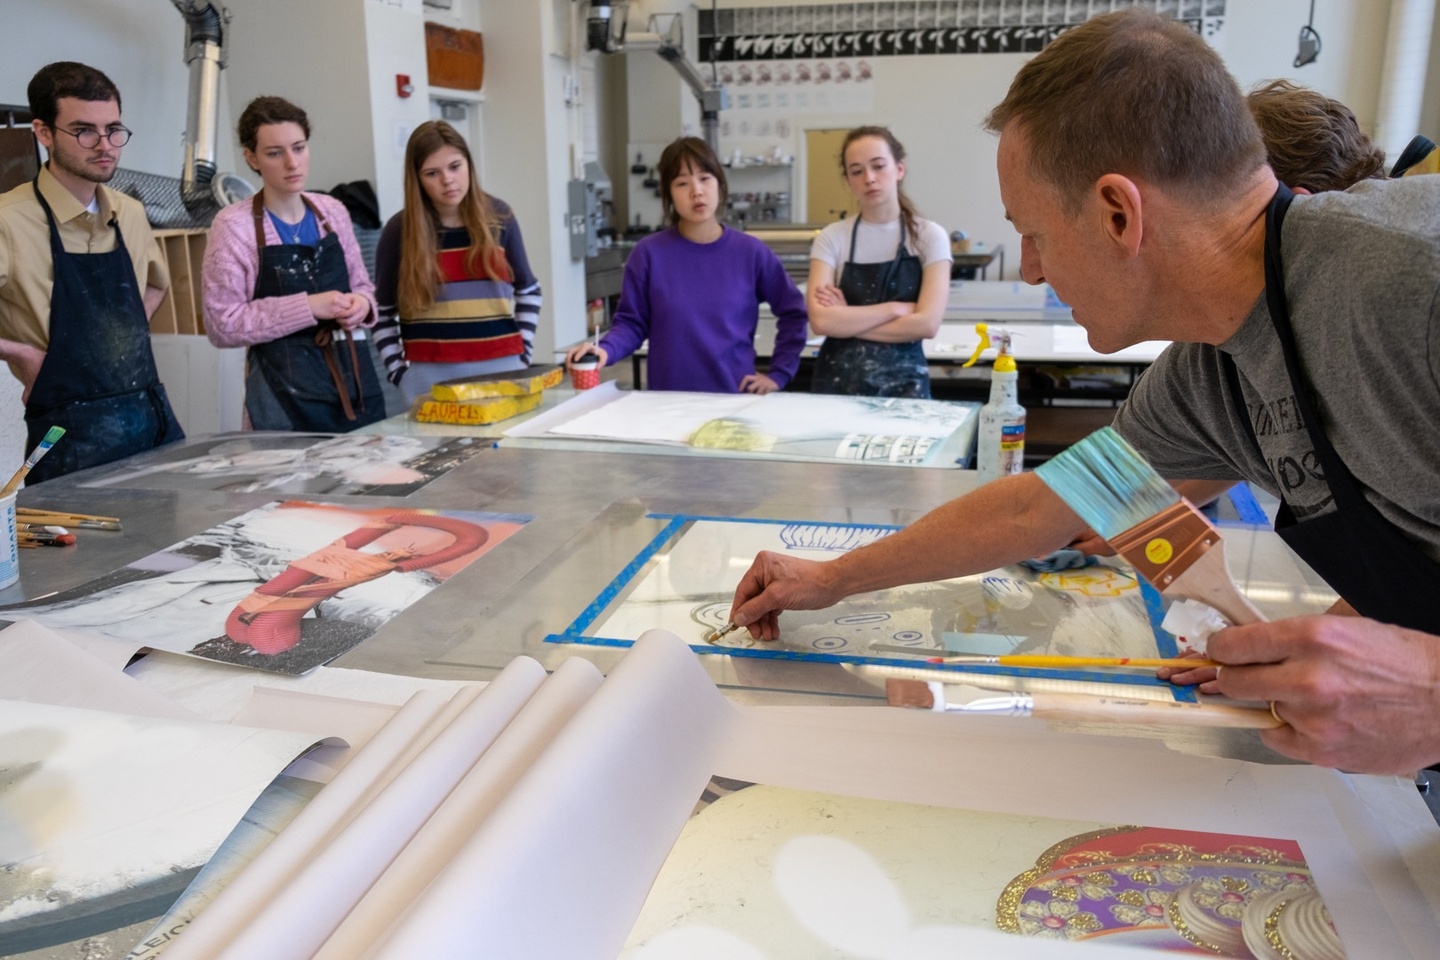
<point>26,271</point>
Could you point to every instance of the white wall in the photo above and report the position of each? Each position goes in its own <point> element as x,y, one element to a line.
<point>533,146</point>
<point>139,44</point>
<point>394,45</point>
<point>1430,108</point>
<point>312,54</point>
<point>935,104</point>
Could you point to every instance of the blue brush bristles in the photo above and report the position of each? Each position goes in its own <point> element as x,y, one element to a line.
<point>1107,482</point>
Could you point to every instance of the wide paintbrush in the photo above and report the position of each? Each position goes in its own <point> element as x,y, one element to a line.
<point>1160,533</point>
<point>963,698</point>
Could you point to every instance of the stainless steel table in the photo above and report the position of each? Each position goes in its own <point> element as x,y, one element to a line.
<point>589,511</point>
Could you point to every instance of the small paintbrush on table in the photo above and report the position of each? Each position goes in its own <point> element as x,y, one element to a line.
<point>963,698</point>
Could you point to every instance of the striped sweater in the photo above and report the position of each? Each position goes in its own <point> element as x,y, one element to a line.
<point>475,316</point>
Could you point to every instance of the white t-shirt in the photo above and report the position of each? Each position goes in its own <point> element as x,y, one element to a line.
<point>876,243</point>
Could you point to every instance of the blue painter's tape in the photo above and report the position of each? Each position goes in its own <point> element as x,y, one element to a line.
<point>1138,680</point>
<point>1247,508</point>
<point>1164,640</point>
<point>623,578</point>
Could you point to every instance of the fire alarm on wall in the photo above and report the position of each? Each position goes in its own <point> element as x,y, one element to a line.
<point>403,86</point>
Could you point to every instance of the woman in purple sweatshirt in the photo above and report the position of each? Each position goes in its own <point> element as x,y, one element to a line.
<point>694,291</point>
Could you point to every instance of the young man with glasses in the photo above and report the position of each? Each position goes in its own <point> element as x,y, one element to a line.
<point>80,275</point>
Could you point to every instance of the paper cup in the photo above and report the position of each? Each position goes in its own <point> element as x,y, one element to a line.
<point>585,373</point>
<point>9,551</point>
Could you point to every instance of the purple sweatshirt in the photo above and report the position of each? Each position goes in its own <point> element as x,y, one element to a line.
<point>698,303</point>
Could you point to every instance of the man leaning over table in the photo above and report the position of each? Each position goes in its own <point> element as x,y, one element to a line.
<point>1138,182</point>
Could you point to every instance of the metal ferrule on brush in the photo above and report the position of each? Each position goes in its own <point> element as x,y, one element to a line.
<point>963,700</point>
<point>1167,544</point>
<point>1001,705</point>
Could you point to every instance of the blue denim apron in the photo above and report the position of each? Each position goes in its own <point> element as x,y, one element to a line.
<point>98,380</point>
<point>865,368</point>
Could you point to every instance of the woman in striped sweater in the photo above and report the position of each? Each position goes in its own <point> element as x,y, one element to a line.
<point>456,293</point>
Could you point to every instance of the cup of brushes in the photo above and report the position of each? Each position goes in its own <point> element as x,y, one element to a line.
<point>10,547</point>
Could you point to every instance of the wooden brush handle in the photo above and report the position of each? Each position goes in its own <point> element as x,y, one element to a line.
<point>13,483</point>
<point>1208,581</point>
<point>1109,709</point>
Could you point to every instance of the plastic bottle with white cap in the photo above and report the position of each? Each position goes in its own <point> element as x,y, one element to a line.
<point>1001,447</point>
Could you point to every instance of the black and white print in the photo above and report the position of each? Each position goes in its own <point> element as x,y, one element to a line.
<point>899,28</point>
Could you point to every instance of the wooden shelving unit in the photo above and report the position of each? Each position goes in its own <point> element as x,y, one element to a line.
<point>181,310</point>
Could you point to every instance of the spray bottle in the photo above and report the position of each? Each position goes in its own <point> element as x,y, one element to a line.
<point>1001,448</point>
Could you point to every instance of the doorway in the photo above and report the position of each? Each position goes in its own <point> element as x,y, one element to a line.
<point>827,198</point>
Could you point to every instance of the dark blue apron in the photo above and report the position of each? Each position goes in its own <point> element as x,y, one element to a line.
<point>865,368</point>
<point>307,382</point>
<point>98,380</point>
<point>1359,553</point>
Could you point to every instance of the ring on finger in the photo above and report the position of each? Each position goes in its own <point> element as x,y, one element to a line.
<point>1278,719</point>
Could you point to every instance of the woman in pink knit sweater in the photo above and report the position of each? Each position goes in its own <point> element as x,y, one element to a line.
<point>283,276</point>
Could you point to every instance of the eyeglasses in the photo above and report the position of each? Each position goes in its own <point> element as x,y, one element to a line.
<point>89,137</point>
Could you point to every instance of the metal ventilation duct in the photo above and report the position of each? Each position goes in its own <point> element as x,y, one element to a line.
<point>205,56</point>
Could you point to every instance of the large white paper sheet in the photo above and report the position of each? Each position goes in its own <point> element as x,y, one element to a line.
<point>655,417</point>
<point>587,824</point>
<point>586,827</point>
<point>299,918</point>
<point>93,803</point>
<point>221,691</point>
<point>39,665</point>
<point>335,806</point>
<point>467,807</point>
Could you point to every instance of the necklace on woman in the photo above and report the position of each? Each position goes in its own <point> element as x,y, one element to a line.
<point>287,230</point>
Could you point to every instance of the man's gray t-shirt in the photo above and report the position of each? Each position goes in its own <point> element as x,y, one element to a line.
<point>1362,275</point>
